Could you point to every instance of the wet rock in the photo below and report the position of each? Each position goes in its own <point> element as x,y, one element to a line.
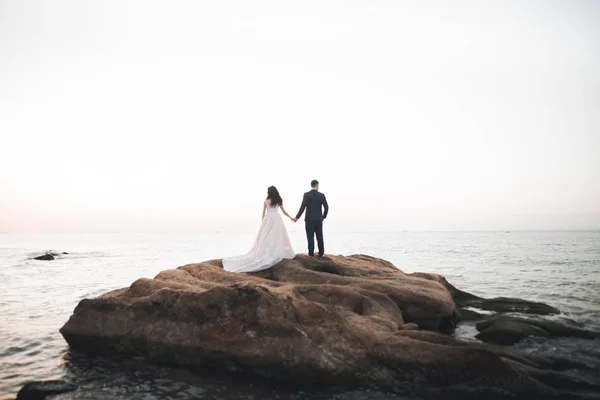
<point>40,390</point>
<point>507,304</point>
<point>508,330</point>
<point>499,304</point>
<point>554,377</point>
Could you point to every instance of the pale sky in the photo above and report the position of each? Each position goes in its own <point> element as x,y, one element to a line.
<point>414,115</point>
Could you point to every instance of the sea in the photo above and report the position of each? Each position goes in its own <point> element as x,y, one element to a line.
<point>560,268</point>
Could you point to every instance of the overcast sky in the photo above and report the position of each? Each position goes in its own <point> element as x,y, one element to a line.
<point>414,115</point>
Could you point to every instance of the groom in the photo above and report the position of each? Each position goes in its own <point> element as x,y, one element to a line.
<point>313,201</point>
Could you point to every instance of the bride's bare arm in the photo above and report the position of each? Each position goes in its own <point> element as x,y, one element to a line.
<point>285,212</point>
<point>264,209</point>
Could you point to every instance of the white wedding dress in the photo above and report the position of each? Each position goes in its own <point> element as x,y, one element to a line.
<point>272,245</point>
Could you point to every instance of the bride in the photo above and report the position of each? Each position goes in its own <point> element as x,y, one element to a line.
<point>272,242</point>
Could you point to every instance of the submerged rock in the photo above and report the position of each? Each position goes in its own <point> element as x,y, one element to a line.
<point>498,304</point>
<point>507,330</point>
<point>507,304</point>
<point>341,320</point>
<point>40,390</point>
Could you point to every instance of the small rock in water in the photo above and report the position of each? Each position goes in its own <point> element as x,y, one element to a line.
<point>39,390</point>
<point>50,255</point>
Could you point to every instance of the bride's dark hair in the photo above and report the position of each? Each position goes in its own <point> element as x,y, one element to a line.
<point>273,195</point>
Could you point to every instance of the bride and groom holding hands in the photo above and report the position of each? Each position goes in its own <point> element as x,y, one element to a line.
<point>272,242</point>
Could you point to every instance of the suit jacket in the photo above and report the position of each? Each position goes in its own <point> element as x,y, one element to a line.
<point>316,206</point>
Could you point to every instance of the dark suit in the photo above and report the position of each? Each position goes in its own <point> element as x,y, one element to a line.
<point>317,208</point>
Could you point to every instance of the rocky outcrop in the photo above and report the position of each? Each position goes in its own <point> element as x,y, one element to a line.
<point>40,390</point>
<point>354,320</point>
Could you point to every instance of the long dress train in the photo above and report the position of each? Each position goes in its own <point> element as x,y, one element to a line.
<point>272,245</point>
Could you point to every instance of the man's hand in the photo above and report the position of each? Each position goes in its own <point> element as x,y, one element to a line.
<point>294,219</point>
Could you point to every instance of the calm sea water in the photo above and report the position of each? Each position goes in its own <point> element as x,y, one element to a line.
<point>37,298</point>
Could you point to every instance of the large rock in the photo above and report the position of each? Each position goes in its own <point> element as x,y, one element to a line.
<point>342,320</point>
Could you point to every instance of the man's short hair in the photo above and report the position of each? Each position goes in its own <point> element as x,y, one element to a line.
<point>314,183</point>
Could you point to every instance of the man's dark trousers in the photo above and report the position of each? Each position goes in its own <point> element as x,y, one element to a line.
<point>312,228</point>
